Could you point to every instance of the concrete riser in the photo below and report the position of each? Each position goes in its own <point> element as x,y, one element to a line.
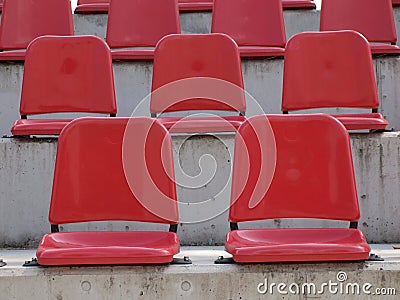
<point>26,171</point>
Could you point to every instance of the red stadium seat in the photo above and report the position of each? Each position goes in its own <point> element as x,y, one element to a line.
<point>332,69</point>
<point>92,6</point>
<point>137,23</point>
<point>396,2</point>
<point>311,176</point>
<point>64,74</point>
<point>298,4</point>
<point>372,18</point>
<point>22,21</point>
<point>198,72</point>
<point>94,181</point>
<point>256,26</point>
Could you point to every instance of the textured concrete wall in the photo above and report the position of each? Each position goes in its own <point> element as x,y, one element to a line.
<point>26,171</point>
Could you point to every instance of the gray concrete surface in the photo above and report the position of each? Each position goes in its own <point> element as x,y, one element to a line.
<point>202,279</point>
<point>203,167</point>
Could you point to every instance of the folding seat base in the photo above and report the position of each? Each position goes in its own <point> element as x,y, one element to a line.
<point>255,51</point>
<point>298,4</point>
<point>105,248</point>
<point>25,127</point>
<point>99,8</point>
<point>371,121</point>
<point>132,54</point>
<point>196,6</point>
<point>379,49</point>
<point>202,125</point>
<point>297,245</point>
<point>15,55</point>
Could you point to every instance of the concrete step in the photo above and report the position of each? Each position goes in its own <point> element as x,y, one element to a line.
<point>26,173</point>
<point>203,279</point>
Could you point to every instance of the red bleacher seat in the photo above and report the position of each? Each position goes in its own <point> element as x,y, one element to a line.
<point>22,21</point>
<point>95,181</point>
<point>298,4</point>
<point>137,23</point>
<point>256,26</point>
<point>297,166</point>
<point>332,69</point>
<point>64,74</point>
<point>198,72</point>
<point>396,2</point>
<point>372,18</point>
<point>92,6</point>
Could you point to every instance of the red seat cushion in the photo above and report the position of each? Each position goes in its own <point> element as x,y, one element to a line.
<point>132,54</point>
<point>373,121</point>
<point>289,4</point>
<point>92,8</point>
<point>284,245</point>
<point>377,49</point>
<point>38,127</point>
<point>13,55</point>
<point>196,6</point>
<point>100,248</point>
<point>202,125</point>
<point>256,51</point>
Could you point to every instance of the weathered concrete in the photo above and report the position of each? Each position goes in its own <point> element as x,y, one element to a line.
<point>263,80</point>
<point>203,167</point>
<point>202,279</point>
<point>200,22</point>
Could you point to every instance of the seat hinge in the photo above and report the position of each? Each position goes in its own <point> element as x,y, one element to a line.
<point>224,261</point>
<point>31,263</point>
<point>2,263</point>
<point>374,257</point>
<point>182,261</point>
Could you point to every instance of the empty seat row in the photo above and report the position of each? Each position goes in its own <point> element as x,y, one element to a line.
<point>256,26</point>
<point>197,72</point>
<point>122,169</point>
<point>102,6</point>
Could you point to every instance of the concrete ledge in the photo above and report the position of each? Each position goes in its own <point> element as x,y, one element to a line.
<point>26,171</point>
<point>201,280</point>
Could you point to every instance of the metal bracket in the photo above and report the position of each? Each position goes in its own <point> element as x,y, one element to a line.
<point>374,257</point>
<point>182,261</point>
<point>31,263</point>
<point>224,260</point>
<point>2,263</point>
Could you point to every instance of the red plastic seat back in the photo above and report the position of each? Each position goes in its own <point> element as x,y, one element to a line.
<point>250,22</point>
<point>313,175</point>
<point>179,62</point>
<point>24,20</point>
<point>134,23</point>
<point>372,18</point>
<point>68,74</point>
<point>328,69</point>
<point>100,174</point>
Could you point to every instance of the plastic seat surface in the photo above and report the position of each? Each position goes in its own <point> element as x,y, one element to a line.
<point>377,49</point>
<point>289,167</point>
<point>65,74</point>
<point>331,69</point>
<point>396,2</point>
<point>136,23</point>
<point>132,54</point>
<point>102,248</point>
<point>374,19</point>
<point>297,245</point>
<point>198,72</point>
<point>298,4</point>
<point>38,127</point>
<point>257,24</point>
<point>92,6</point>
<point>95,181</point>
<point>47,17</point>
<point>195,5</point>
<point>202,125</point>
